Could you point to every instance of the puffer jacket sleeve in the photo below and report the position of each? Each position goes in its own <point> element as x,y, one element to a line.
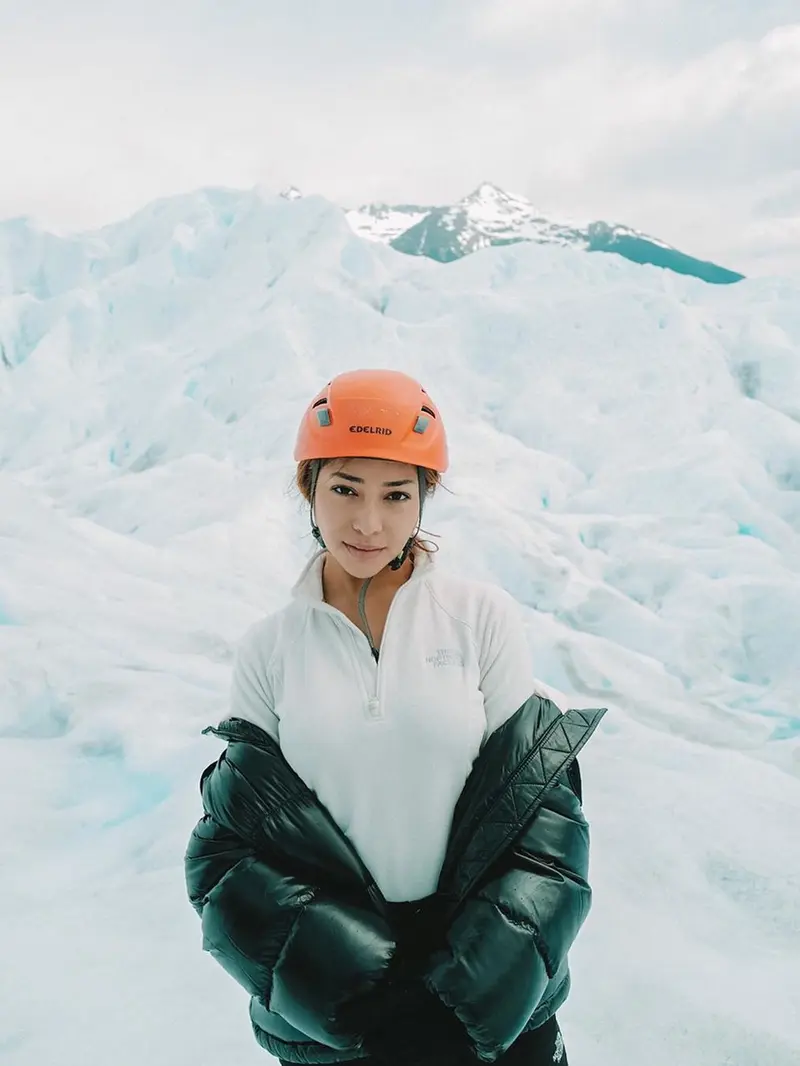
<point>512,935</point>
<point>291,933</point>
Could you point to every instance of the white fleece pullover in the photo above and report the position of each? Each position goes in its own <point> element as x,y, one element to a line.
<point>388,746</point>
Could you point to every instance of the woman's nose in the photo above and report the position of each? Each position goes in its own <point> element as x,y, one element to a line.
<point>368,521</point>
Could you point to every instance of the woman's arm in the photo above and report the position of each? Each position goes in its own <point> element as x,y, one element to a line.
<point>506,666</point>
<point>304,948</point>
<point>513,934</point>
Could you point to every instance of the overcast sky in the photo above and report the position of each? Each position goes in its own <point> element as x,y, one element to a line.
<point>680,117</point>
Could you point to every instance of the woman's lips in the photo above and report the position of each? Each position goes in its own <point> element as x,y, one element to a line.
<point>362,551</point>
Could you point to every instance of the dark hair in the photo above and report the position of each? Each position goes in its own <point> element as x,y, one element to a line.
<point>303,479</point>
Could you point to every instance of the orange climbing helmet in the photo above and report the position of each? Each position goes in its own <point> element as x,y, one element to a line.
<point>373,414</point>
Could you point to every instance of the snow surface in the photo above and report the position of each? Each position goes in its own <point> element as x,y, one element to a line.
<point>626,461</point>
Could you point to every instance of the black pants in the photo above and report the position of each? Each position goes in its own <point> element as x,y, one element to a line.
<point>419,929</point>
<point>540,1047</point>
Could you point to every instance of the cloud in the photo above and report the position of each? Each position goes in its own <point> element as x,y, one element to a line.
<point>679,118</point>
<point>782,199</point>
<point>521,21</point>
<point>725,118</point>
<point>656,30</point>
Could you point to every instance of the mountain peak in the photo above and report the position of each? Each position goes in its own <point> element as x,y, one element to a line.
<point>487,191</point>
<point>291,193</point>
<point>489,194</point>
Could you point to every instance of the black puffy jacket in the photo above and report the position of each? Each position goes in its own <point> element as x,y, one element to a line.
<point>291,912</point>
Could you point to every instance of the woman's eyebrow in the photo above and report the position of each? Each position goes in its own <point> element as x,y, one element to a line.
<point>386,484</point>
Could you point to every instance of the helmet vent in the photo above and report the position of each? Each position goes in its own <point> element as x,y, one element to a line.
<point>428,411</point>
<point>319,403</point>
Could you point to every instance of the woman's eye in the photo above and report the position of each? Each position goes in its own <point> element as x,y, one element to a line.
<point>393,497</point>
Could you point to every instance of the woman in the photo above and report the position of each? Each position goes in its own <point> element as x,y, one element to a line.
<point>393,857</point>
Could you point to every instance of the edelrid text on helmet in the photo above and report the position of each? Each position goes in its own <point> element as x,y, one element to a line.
<point>371,429</point>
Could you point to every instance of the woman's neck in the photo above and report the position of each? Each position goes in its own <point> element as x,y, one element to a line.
<point>340,586</point>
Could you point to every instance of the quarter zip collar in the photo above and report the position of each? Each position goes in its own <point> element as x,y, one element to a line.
<point>308,586</point>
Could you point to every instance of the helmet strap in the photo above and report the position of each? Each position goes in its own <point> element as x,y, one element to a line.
<point>316,467</point>
<point>395,564</point>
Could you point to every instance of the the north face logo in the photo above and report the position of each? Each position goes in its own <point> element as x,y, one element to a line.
<point>445,657</point>
<point>558,1053</point>
<point>371,429</point>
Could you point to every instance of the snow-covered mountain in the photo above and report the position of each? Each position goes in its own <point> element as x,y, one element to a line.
<point>385,223</point>
<point>489,216</point>
<point>625,462</point>
<point>485,217</point>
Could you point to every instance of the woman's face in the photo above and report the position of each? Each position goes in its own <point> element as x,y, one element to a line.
<point>366,504</point>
